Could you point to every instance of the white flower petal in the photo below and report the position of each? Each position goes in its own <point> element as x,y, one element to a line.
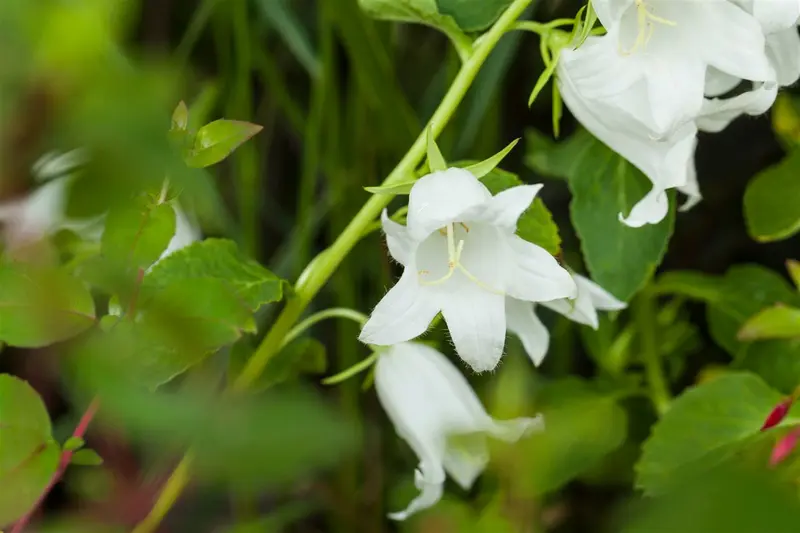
<point>731,41</point>
<point>649,210</point>
<point>504,209</point>
<point>776,15</point>
<point>430,493</point>
<point>609,12</point>
<point>403,314</point>
<point>185,234</point>
<point>465,462</point>
<point>441,198</point>
<point>578,310</point>
<point>675,87</point>
<point>783,50</point>
<point>719,83</point>
<point>401,247</point>
<point>535,275</point>
<point>522,321</point>
<point>691,188</point>
<point>600,298</point>
<point>476,320</point>
<point>513,430</point>
<point>718,113</point>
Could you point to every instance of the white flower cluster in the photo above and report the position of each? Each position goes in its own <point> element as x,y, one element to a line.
<point>462,257</point>
<point>655,78</point>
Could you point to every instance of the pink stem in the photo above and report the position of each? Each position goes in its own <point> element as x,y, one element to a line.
<point>66,457</point>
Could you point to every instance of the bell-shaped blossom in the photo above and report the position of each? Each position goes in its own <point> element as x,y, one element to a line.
<point>461,257</point>
<point>523,322</point>
<point>431,405</point>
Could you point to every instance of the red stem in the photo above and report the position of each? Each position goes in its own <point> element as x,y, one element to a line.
<point>66,457</point>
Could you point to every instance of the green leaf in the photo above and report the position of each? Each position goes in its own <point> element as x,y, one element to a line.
<point>28,454</point>
<point>301,356</point>
<point>582,426</point>
<point>436,161</point>
<point>536,223</point>
<point>41,306</point>
<point>587,23</point>
<point>794,271</point>
<point>473,15</point>
<point>282,18</point>
<point>603,185</point>
<point>419,11</point>
<point>217,140</point>
<point>86,457</point>
<point>778,322</point>
<point>73,443</point>
<point>137,235</point>
<point>732,299</point>
<point>180,117</point>
<point>479,170</point>
<point>703,427</point>
<point>771,208</point>
<point>397,188</point>
<point>249,441</point>
<point>218,259</point>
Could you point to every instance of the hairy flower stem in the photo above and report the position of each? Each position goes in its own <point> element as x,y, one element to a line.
<point>644,310</point>
<point>323,266</point>
<point>63,463</point>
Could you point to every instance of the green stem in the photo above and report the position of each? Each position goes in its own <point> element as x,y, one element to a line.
<point>644,309</point>
<point>336,312</point>
<point>325,266</point>
<point>352,371</point>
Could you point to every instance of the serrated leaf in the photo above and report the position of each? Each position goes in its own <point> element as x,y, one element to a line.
<point>73,444</point>
<point>218,259</point>
<point>778,322</point>
<point>40,306</point>
<point>536,223</point>
<point>86,457</point>
<point>771,208</point>
<point>481,169</point>
<point>217,140</point>
<point>28,454</point>
<point>703,427</point>
<point>473,15</point>
<point>603,185</point>
<point>137,235</point>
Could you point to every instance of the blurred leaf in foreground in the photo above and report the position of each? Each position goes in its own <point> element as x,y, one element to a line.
<point>28,454</point>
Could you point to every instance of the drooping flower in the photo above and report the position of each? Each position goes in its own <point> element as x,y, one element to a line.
<point>431,405</point>
<point>640,87</point>
<point>462,257</point>
<point>523,322</point>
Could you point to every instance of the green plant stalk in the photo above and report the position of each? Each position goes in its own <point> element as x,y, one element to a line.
<point>323,266</point>
<point>644,309</point>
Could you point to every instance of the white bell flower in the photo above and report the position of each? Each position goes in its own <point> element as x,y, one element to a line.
<point>462,257</point>
<point>669,44</point>
<point>523,322</point>
<point>430,402</point>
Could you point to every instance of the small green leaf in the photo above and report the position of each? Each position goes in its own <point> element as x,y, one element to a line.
<point>28,454</point>
<point>217,140</point>
<point>778,322</point>
<point>603,185</point>
<point>180,117</point>
<point>703,427</point>
<point>479,170</point>
<point>771,208</point>
<point>137,235</point>
<point>397,188</point>
<point>793,267</point>
<point>41,306</point>
<point>417,11</point>
<point>436,161</point>
<point>473,15</point>
<point>218,259</point>
<point>544,77</point>
<point>86,457</point>
<point>536,223</point>
<point>587,23</point>
<point>73,443</point>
